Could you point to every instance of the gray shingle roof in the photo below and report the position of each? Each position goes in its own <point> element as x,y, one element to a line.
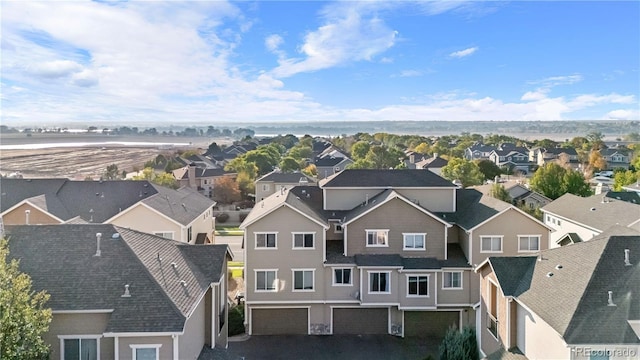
<point>60,259</point>
<point>13,191</point>
<point>405,178</point>
<point>183,205</point>
<point>593,212</point>
<point>280,177</point>
<point>379,260</point>
<point>328,161</point>
<point>473,208</point>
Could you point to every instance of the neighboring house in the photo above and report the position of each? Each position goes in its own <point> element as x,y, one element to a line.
<point>121,294</point>
<point>566,156</point>
<point>375,252</point>
<point>575,219</point>
<point>579,301</point>
<point>616,158</point>
<point>433,164</point>
<point>182,214</point>
<point>520,194</point>
<point>516,159</point>
<point>201,179</point>
<point>274,181</point>
<point>628,196</point>
<point>411,158</point>
<point>328,166</point>
<point>478,151</point>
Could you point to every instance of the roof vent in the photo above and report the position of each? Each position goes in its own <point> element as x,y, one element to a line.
<point>126,291</point>
<point>115,236</point>
<point>593,209</point>
<point>610,300</point>
<point>183,283</point>
<point>549,274</point>
<point>98,237</point>
<point>558,267</point>
<point>627,261</point>
<point>159,257</point>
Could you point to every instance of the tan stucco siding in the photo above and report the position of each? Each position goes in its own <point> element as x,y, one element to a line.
<point>467,295</point>
<point>463,240</point>
<point>536,339</point>
<point>339,291</point>
<point>285,222</point>
<point>191,343</point>
<point>347,199</point>
<point>143,219</point>
<point>406,300</point>
<point>264,189</point>
<point>435,200</point>
<point>79,324</point>
<point>510,225</point>
<point>204,223</point>
<point>489,343</point>
<point>18,216</point>
<point>398,217</point>
<point>126,351</point>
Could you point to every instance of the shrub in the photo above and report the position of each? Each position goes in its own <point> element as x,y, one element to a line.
<point>222,218</point>
<point>236,321</point>
<point>459,345</point>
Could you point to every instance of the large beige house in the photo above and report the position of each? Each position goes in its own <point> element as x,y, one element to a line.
<point>182,214</point>
<point>276,180</point>
<point>122,294</point>
<point>375,252</point>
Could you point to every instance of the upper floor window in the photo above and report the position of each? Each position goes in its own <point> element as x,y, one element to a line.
<point>164,234</point>
<point>490,243</point>
<point>379,282</point>
<point>418,285</point>
<point>452,280</point>
<point>145,352</point>
<point>80,347</point>
<point>303,280</point>
<point>189,234</point>
<point>414,241</point>
<point>377,237</point>
<point>266,241</point>
<point>528,242</point>
<point>265,187</point>
<point>342,276</point>
<point>303,240</point>
<point>266,280</point>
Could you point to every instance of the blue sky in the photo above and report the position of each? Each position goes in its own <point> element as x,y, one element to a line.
<point>222,62</point>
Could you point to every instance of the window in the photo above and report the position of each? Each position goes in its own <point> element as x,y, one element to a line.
<point>146,351</point>
<point>303,240</point>
<point>379,282</point>
<point>337,228</point>
<point>377,237</point>
<point>491,243</point>
<point>164,234</point>
<point>80,348</point>
<point>548,218</point>
<point>266,280</point>
<point>492,313</point>
<point>418,285</point>
<point>189,234</point>
<point>266,240</point>
<point>342,277</point>
<point>265,187</point>
<point>452,280</point>
<point>414,241</point>
<point>529,243</point>
<point>303,280</point>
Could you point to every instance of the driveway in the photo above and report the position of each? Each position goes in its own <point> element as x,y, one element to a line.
<point>304,347</point>
<point>235,244</point>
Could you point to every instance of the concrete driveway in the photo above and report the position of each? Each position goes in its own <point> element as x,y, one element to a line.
<point>304,347</point>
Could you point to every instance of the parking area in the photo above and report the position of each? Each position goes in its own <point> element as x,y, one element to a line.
<point>352,347</point>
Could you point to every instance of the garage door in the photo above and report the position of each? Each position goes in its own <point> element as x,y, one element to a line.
<point>429,323</point>
<point>279,321</point>
<point>361,321</point>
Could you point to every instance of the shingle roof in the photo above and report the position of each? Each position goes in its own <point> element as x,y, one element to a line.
<point>13,191</point>
<point>183,205</point>
<point>593,212</point>
<point>568,288</point>
<point>287,177</point>
<point>379,260</point>
<point>60,259</point>
<point>405,178</point>
<point>628,196</point>
<point>474,208</point>
<point>328,161</point>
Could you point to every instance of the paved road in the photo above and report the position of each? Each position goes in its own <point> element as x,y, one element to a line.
<point>235,243</point>
<point>334,347</point>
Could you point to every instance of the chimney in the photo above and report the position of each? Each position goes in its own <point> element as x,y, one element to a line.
<point>412,158</point>
<point>598,189</point>
<point>191,172</point>
<point>98,237</point>
<point>435,155</point>
<point>26,216</point>
<point>610,300</point>
<point>627,261</point>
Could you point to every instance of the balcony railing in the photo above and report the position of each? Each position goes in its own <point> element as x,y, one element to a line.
<point>222,317</point>
<point>492,325</point>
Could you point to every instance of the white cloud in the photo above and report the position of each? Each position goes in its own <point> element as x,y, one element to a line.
<point>411,73</point>
<point>273,42</point>
<point>54,69</point>
<point>622,114</point>
<point>557,80</point>
<point>463,53</point>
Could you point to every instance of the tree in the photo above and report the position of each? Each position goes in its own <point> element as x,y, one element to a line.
<point>467,172</point>
<point>422,148</point>
<point>459,345</point>
<point>289,164</point>
<point>382,157</point>
<point>245,184</point>
<point>301,152</point>
<point>596,161</point>
<point>164,179</point>
<point>24,318</point>
<point>622,178</point>
<point>595,140</point>
<point>226,190</point>
<point>499,192</point>
<point>359,150</point>
<point>489,169</point>
<point>310,170</point>
<point>112,172</point>
<point>553,181</point>
<point>361,164</point>
<point>574,183</point>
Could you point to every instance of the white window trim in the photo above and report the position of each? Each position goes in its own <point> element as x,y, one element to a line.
<point>293,240</point>
<point>255,276</point>
<point>74,337</point>
<point>158,233</point>
<point>428,276</point>
<point>404,244</point>
<point>529,236</point>
<point>369,282</point>
<point>135,347</point>
<point>453,288</point>
<point>265,187</point>
<point>333,276</point>
<point>492,251</point>
<point>313,280</point>
<point>255,243</point>
<point>335,228</point>
<point>366,238</point>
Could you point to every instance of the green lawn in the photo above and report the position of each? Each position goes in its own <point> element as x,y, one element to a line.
<point>228,230</point>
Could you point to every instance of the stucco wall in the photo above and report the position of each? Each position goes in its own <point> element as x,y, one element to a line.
<point>126,352</point>
<point>565,227</point>
<point>79,324</point>
<point>36,217</point>
<point>191,343</point>
<point>143,219</point>
<point>536,339</point>
<point>467,295</point>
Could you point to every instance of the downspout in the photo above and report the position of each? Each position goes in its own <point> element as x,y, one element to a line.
<point>470,247</point>
<point>213,316</point>
<point>116,349</point>
<point>176,350</point>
